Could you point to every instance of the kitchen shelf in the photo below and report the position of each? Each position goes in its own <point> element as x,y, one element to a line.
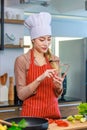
<point>16,46</point>
<point>13,21</point>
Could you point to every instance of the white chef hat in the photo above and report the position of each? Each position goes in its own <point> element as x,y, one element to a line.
<point>39,24</point>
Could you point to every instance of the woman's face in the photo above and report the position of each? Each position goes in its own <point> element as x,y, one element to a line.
<point>42,43</point>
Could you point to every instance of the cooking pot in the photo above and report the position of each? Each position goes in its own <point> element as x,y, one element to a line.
<point>35,123</point>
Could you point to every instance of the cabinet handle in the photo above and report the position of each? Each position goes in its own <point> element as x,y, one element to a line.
<point>66,105</point>
<point>11,110</point>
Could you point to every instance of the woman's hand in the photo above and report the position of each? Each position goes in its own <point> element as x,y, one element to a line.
<point>58,81</point>
<point>48,73</point>
<point>52,73</point>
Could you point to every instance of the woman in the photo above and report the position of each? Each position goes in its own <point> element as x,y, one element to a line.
<point>37,79</point>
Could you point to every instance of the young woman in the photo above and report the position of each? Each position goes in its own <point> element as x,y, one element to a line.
<point>37,76</point>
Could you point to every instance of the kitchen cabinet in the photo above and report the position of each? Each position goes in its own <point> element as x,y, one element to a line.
<point>13,109</point>
<point>69,108</point>
<point>66,109</point>
<point>9,112</point>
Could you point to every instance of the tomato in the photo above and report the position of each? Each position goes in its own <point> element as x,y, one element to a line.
<point>50,120</point>
<point>61,123</point>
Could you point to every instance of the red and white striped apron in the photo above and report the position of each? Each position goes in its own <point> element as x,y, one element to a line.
<point>44,103</point>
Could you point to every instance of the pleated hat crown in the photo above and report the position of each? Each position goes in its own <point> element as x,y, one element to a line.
<point>39,24</point>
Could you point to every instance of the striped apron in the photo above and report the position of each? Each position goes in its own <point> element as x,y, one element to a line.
<point>44,103</point>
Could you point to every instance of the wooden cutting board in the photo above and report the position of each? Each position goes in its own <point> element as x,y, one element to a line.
<point>72,126</point>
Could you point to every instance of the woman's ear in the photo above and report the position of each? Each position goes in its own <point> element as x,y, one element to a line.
<point>32,41</point>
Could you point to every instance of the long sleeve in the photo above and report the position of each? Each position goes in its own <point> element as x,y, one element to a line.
<point>21,67</point>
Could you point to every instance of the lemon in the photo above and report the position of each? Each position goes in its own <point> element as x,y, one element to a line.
<point>70,118</point>
<point>73,121</point>
<point>78,117</point>
<point>83,120</point>
<point>5,127</point>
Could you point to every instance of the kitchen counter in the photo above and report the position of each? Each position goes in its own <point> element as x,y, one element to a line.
<point>72,126</point>
<point>68,99</point>
<point>19,103</point>
<point>10,104</point>
<point>10,109</point>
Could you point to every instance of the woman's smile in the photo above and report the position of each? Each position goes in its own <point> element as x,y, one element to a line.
<point>44,48</point>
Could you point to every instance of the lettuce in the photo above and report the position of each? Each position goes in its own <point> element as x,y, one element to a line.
<point>82,108</point>
<point>22,124</point>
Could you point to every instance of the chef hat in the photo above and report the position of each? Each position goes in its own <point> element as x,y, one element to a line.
<point>39,24</point>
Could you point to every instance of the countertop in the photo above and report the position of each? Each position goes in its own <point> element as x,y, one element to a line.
<point>68,99</point>
<point>19,103</point>
<point>72,126</point>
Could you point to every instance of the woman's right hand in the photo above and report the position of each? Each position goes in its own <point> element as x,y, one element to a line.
<point>48,73</point>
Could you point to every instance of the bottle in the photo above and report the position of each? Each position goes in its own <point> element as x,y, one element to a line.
<point>21,42</point>
<point>11,90</point>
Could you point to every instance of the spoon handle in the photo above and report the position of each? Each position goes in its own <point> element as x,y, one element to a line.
<point>5,122</point>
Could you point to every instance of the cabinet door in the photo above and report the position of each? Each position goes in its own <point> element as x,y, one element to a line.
<point>9,112</point>
<point>68,110</point>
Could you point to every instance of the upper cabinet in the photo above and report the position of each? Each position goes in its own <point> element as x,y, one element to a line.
<point>1,24</point>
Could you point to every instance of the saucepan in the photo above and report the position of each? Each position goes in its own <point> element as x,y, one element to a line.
<point>34,123</point>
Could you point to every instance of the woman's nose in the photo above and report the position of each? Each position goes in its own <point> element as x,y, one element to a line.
<point>46,42</point>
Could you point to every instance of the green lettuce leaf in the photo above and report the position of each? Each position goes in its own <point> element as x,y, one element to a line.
<point>82,108</point>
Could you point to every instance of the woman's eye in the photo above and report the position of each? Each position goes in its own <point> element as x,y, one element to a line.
<point>41,40</point>
<point>49,39</point>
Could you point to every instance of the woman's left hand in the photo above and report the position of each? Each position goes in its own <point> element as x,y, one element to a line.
<point>58,81</point>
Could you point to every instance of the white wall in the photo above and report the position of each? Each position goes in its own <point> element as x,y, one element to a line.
<point>7,59</point>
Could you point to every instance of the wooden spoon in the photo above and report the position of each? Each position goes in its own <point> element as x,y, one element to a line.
<point>7,123</point>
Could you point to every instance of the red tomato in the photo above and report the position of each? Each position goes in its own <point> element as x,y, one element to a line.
<point>61,123</point>
<point>50,120</point>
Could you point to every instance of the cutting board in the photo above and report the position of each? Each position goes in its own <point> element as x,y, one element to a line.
<point>72,126</point>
